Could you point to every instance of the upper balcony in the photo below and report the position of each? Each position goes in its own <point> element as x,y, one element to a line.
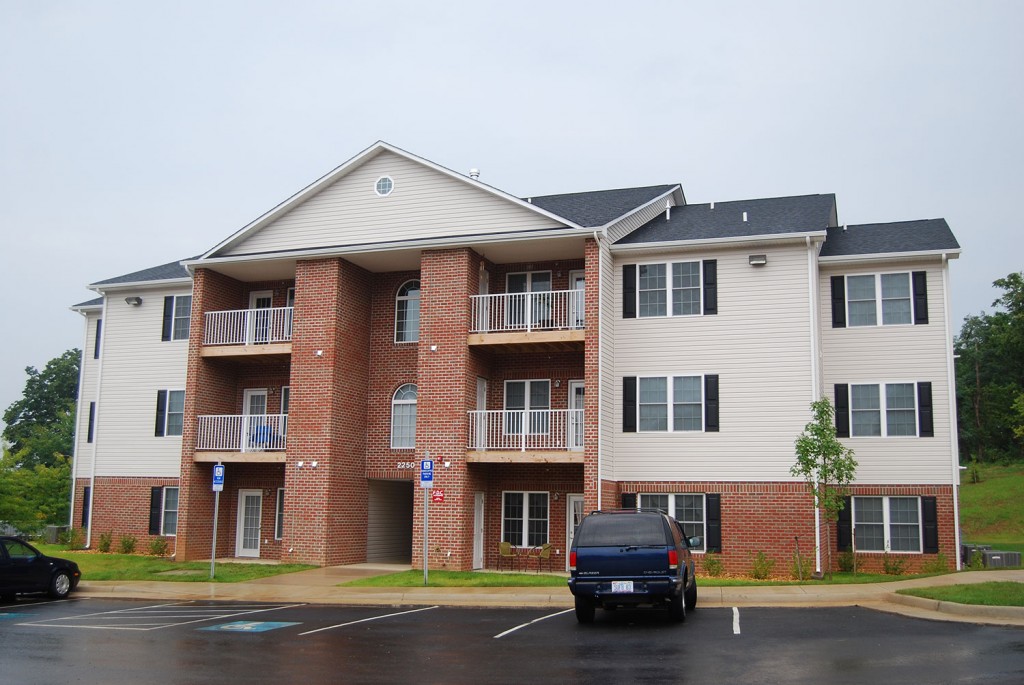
<point>242,438</point>
<point>554,319</point>
<point>525,436</point>
<point>248,332</point>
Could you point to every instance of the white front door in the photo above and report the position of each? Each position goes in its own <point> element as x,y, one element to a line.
<point>575,422</point>
<point>577,282</point>
<point>260,302</point>
<point>478,530</point>
<point>573,516</point>
<point>250,509</point>
<point>255,431</point>
<point>480,441</point>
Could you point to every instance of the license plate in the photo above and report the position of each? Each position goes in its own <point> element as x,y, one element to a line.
<point>622,586</point>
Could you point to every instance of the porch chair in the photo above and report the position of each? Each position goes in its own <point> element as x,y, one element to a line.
<point>544,554</point>
<point>506,551</point>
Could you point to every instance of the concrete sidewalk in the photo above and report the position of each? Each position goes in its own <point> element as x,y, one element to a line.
<point>321,586</point>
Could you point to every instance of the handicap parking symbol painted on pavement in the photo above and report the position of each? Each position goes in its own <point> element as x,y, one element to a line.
<point>250,626</point>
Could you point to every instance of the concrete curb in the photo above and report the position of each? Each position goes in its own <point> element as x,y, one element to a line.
<point>975,612</point>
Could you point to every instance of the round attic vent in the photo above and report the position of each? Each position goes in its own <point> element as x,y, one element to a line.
<point>384,186</point>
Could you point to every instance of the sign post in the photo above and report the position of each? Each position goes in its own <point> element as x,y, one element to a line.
<point>218,487</point>
<point>426,482</point>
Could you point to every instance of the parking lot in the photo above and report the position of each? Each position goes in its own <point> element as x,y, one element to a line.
<point>102,641</point>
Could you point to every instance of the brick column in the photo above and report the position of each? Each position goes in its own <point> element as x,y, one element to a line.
<point>325,505</point>
<point>592,361</point>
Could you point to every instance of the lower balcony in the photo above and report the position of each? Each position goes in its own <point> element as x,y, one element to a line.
<point>242,438</point>
<point>525,436</point>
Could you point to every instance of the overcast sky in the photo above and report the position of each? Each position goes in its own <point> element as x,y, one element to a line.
<point>136,133</point>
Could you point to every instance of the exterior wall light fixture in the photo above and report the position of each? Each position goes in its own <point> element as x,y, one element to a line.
<point>758,259</point>
<point>133,300</point>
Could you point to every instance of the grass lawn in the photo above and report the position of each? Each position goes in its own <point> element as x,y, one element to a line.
<point>461,579</point>
<point>96,566</point>
<point>992,511</point>
<point>989,594</point>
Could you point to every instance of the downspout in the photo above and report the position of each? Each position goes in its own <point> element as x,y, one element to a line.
<point>96,425</point>
<point>812,298</point>
<point>954,442</point>
<point>78,422</point>
<point>600,359</point>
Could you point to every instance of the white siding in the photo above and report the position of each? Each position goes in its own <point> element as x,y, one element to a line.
<point>136,364</point>
<point>425,203</point>
<point>87,392</point>
<point>759,344</point>
<point>627,226</point>
<point>880,354</point>
<point>389,521</point>
<point>609,320</point>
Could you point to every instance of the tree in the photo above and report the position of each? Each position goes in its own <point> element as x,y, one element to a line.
<point>827,466</point>
<point>37,424</point>
<point>34,497</point>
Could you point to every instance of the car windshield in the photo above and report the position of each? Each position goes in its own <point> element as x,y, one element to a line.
<point>613,530</point>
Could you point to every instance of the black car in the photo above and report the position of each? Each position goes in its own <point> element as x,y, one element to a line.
<point>632,558</point>
<point>24,569</point>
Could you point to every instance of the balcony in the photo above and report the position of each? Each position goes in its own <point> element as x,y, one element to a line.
<point>522,436</point>
<point>243,332</point>
<point>249,437</point>
<point>554,319</point>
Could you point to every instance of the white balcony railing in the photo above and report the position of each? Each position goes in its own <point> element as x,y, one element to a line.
<point>545,311</point>
<point>248,433</point>
<point>537,429</point>
<point>248,326</point>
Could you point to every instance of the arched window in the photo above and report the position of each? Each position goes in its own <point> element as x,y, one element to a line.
<point>403,418</point>
<point>407,313</point>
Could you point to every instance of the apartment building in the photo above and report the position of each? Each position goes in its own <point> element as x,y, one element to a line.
<point>548,356</point>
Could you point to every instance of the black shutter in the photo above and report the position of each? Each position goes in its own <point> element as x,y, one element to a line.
<point>713,530</point>
<point>156,504</point>
<point>629,291</point>
<point>710,286</point>
<point>161,413</point>
<point>711,403</point>
<point>96,345</point>
<point>920,279</point>
<point>629,500</point>
<point>168,326</point>
<point>842,410</point>
<point>838,302</point>
<point>86,505</point>
<point>930,519</point>
<point>925,424</point>
<point>92,422</point>
<point>844,528</point>
<point>629,404</point>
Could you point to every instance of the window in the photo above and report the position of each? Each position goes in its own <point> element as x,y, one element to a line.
<point>279,516</point>
<point>403,418</point>
<point>900,410</point>
<point>286,397</point>
<point>883,524</point>
<point>384,186</point>
<point>96,342</point>
<point>170,412</point>
<point>670,403</point>
<point>891,299</point>
<point>524,521</point>
<point>177,317</point>
<point>407,313</point>
<point>529,304</point>
<point>169,520</point>
<point>92,423</point>
<point>688,509</point>
<point>530,399</point>
<point>670,289</point>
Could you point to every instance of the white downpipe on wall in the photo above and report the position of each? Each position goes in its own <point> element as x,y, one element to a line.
<point>600,357</point>
<point>96,424</point>
<point>812,297</point>
<point>954,432</point>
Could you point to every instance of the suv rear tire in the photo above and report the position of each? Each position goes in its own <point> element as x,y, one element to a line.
<point>690,596</point>
<point>676,608</point>
<point>584,610</point>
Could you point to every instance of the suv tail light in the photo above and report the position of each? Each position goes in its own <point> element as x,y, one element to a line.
<point>673,559</point>
<point>572,560</point>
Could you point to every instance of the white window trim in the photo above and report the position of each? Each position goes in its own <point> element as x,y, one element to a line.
<point>668,289</point>
<point>397,402</point>
<point>163,511</point>
<point>526,401</point>
<point>524,541</point>
<point>878,299</point>
<point>175,316</point>
<point>672,512</point>
<point>671,403</point>
<point>391,185</point>
<point>886,524</point>
<point>167,414</point>
<point>279,515</point>
<point>881,385</point>
<point>407,298</point>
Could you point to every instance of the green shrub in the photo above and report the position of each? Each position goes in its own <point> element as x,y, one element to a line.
<point>158,547</point>
<point>713,564</point>
<point>974,473</point>
<point>126,545</point>
<point>106,539</point>
<point>893,565</point>
<point>937,565</point>
<point>803,567</point>
<point>73,538</point>
<point>977,560</point>
<point>845,560</point>
<point>761,567</point>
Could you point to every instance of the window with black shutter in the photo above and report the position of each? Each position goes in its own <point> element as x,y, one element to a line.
<point>838,302</point>
<point>926,425</point>
<point>710,286</point>
<point>161,413</point>
<point>930,525</point>
<point>156,504</point>
<point>629,404</point>
<point>920,284</point>
<point>711,403</point>
<point>844,528</point>
<point>713,502</point>
<point>842,396</point>
<point>168,320</point>
<point>629,291</point>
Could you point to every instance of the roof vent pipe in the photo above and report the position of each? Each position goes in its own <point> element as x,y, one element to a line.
<point>668,210</point>
<point>474,174</point>
<point>844,228</point>
<point>744,217</point>
<point>712,205</point>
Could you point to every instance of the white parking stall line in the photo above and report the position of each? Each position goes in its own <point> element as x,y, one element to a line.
<point>735,620</point>
<point>155,617</point>
<point>530,623</point>
<point>364,620</point>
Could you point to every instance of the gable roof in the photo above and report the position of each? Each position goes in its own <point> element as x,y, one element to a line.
<point>764,217</point>
<point>171,271</point>
<point>95,303</point>
<point>598,208</point>
<point>924,235</point>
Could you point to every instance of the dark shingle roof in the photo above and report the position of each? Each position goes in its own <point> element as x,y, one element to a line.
<point>598,207</point>
<point>164,272</point>
<point>769,216</point>
<point>924,235</point>
<point>96,302</point>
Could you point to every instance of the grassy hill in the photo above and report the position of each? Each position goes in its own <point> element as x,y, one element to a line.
<point>992,510</point>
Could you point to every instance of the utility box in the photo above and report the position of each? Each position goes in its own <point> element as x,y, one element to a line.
<point>967,551</point>
<point>994,558</point>
<point>53,533</point>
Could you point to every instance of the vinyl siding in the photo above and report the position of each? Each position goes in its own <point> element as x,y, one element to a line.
<point>635,221</point>
<point>425,204</point>
<point>759,345</point>
<point>893,354</point>
<point>136,364</point>
<point>87,392</point>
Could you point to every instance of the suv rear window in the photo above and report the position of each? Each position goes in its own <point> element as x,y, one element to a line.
<point>621,529</point>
